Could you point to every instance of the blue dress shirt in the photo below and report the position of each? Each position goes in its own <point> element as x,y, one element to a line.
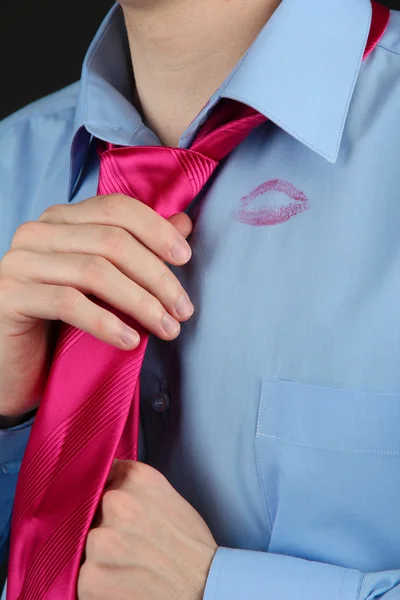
<point>276,412</point>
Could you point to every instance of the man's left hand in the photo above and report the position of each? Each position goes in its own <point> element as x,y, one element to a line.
<point>148,544</point>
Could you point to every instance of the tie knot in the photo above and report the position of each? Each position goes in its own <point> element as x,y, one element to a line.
<point>166,179</point>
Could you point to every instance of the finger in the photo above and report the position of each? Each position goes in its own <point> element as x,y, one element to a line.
<point>116,245</point>
<point>52,302</point>
<point>118,472</point>
<point>133,474</point>
<point>95,275</point>
<point>155,232</point>
<point>112,547</point>
<point>183,223</point>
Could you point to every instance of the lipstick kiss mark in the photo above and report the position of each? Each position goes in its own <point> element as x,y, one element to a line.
<point>282,201</point>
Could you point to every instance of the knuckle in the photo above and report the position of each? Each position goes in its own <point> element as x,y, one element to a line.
<point>104,323</point>
<point>168,284</point>
<point>8,259</point>
<point>7,288</point>
<point>99,541</point>
<point>66,299</point>
<point>93,267</point>
<point>111,205</point>
<point>165,276</point>
<point>159,231</point>
<point>138,473</point>
<point>153,225</point>
<point>50,210</point>
<point>146,476</point>
<point>115,239</point>
<point>149,305</point>
<point>117,505</point>
<point>25,230</point>
<point>171,240</point>
<point>91,582</point>
<point>11,262</point>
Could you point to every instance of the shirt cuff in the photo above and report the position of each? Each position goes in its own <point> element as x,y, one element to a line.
<point>238,574</point>
<point>13,442</point>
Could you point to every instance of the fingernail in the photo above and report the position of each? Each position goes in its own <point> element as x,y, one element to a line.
<point>183,306</point>
<point>180,251</point>
<point>129,337</point>
<point>169,324</point>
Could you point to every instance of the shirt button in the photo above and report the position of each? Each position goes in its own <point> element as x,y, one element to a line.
<point>160,403</point>
<point>11,467</point>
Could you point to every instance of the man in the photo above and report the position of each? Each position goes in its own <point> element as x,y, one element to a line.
<point>269,446</point>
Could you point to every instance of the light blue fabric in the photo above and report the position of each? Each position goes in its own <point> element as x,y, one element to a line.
<point>283,428</point>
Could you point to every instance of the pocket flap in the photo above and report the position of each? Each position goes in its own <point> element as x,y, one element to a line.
<point>335,419</point>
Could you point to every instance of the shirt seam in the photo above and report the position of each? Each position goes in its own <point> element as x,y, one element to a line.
<point>30,116</point>
<point>261,479</point>
<point>353,84</point>
<point>382,47</point>
<point>341,585</point>
<point>360,583</point>
<point>218,579</point>
<point>328,446</point>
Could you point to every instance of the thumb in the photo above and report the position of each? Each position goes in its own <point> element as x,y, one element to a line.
<point>182,223</point>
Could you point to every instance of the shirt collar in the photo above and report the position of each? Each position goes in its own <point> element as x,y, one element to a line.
<point>302,69</point>
<point>105,106</point>
<point>300,73</point>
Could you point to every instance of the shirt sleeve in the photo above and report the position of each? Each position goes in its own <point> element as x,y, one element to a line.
<point>239,574</point>
<point>13,442</point>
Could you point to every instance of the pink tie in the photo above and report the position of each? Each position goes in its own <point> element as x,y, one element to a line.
<point>90,410</point>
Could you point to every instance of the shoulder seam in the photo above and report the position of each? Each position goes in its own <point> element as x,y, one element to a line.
<point>35,115</point>
<point>52,104</point>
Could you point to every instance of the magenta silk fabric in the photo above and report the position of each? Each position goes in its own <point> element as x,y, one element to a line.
<point>379,23</point>
<point>90,410</point>
<point>89,413</point>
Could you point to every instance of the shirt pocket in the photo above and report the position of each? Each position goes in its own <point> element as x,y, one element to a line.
<point>328,463</point>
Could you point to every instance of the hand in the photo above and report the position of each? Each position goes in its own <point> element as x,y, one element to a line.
<point>112,247</point>
<point>150,544</point>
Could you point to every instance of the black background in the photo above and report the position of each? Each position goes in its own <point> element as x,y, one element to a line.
<point>37,35</point>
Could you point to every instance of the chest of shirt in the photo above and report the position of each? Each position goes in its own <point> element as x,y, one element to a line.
<point>290,363</point>
<point>293,351</point>
<point>283,388</point>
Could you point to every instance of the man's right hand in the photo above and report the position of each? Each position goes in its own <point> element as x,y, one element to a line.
<point>112,247</point>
